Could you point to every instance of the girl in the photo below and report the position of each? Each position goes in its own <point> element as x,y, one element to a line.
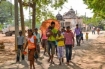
<point>60,46</point>
<point>31,43</point>
<point>86,36</point>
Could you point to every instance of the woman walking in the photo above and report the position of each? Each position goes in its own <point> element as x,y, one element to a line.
<point>31,43</point>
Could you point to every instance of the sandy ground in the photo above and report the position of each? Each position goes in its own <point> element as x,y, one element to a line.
<point>8,53</point>
<point>90,55</point>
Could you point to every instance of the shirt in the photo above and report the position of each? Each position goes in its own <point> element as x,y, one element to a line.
<point>60,43</point>
<point>44,36</point>
<point>81,34</point>
<point>52,38</point>
<point>20,40</point>
<point>37,36</point>
<point>77,31</point>
<point>68,38</point>
<point>31,44</point>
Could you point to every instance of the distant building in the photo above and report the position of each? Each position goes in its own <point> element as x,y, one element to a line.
<point>70,18</point>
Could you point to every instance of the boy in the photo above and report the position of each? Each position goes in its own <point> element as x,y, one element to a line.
<point>20,43</point>
<point>38,41</point>
<point>81,36</point>
<point>69,44</point>
<point>60,46</point>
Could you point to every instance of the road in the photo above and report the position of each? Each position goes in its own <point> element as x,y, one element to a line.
<point>79,56</point>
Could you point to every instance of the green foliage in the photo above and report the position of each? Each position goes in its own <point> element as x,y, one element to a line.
<point>28,23</point>
<point>1,26</point>
<point>42,11</point>
<point>95,21</point>
<point>6,12</point>
<point>98,7</point>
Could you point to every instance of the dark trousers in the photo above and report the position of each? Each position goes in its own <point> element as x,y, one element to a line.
<point>19,52</point>
<point>78,38</point>
<point>68,52</point>
<point>93,32</point>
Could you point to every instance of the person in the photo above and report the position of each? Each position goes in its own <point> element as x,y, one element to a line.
<point>81,36</point>
<point>69,44</point>
<point>77,32</point>
<point>51,34</point>
<point>93,30</point>
<point>31,43</point>
<point>44,42</point>
<point>63,31</point>
<point>98,31</point>
<point>86,36</point>
<point>38,40</point>
<point>20,44</point>
<point>60,47</point>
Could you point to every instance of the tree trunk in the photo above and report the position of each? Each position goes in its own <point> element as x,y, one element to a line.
<point>16,23</point>
<point>34,15</point>
<point>22,18</point>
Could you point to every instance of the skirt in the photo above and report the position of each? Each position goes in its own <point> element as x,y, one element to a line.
<point>31,53</point>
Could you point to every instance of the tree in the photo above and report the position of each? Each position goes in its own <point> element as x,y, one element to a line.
<point>22,17</point>
<point>98,7</point>
<point>6,11</point>
<point>92,21</point>
<point>40,9</point>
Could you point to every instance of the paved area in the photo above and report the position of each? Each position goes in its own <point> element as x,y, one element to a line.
<point>43,64</point>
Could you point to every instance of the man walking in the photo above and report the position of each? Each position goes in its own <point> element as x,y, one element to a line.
<point>77,32</point>
<point>51,34</point>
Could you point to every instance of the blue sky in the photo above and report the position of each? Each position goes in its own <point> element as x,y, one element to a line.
<point>75,4</point>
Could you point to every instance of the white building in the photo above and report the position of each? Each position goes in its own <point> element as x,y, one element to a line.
<point>70,18</point>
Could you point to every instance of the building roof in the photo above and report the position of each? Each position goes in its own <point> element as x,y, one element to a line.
<point>70,14</point>
<point>59,16</point>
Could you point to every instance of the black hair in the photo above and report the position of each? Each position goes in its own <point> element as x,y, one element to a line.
<point>76,24</point>
<point>31,31</point>
<point>49,27</point>
<point>20,31</point>
<point>68,27</point>
<point>36,29</point>
<point>52,23</point>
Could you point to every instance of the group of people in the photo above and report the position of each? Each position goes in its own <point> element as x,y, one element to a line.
<point>53,41</point>
<point>94,29</point>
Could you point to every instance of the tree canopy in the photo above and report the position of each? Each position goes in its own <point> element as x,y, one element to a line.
<point>42,8</point>
<point>6,11</point>
<point>98,7</point>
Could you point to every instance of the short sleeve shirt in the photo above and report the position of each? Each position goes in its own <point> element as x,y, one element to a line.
<point>60,43</point>
<point>52,38</point>
<point>37,36</point>
<point>20,40</point>
<point>69,38</point>
<point>77,31</point>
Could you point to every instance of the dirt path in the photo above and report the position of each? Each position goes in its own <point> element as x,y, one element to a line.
<point>90,55</point>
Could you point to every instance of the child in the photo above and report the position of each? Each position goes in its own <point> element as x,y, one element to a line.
<point>60,46</point>
<point>81,36</point>
<point>86,36</point>
<point>20,43</point>
<point>38,41</point>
